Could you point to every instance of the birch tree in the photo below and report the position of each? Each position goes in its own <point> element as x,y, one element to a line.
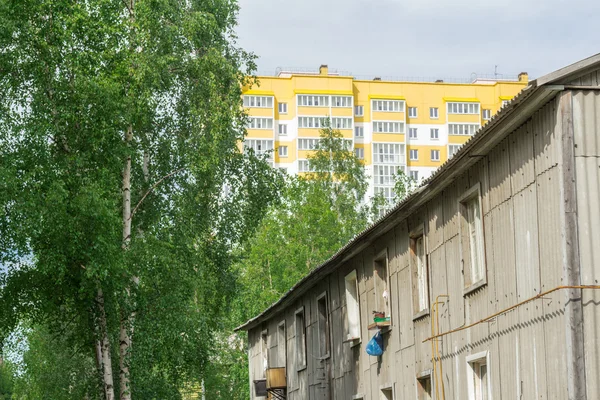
<point>119,130</point>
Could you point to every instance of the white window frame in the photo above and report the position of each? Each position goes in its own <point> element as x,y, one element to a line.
<point>308,143</point>
<point>359,152</point>
<point>474,361</point>
<point>283,108</point>
<point>283,151</point>
<point>304,166</point>
<point>414,175</point>
<point>378,105</point>
<point>353,330</point>
<point>453,149</point>
<point>341,101</point>
<point>474,277</point>
<point>311,121</point>
<point>416,153</point>
<point>252,101</point>
<point>462,129</point>
<point>435,155</point>
<point>388,127</point>
<point>486,114</point>
<point>434,113</point>
<point>263,123</point>
<point>341,122</point>
<point>306,100</point>
<point>411,131</point>
<point>505,103</point>
<point>359,111</point>
<point>282,129</point>
<point>434,133</point>
<point>463,107</point>
<point>413,112</point>
<point>359,131</point>
<point>300,341</point>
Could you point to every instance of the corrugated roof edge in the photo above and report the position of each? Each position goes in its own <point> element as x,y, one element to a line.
<point>482,133</point>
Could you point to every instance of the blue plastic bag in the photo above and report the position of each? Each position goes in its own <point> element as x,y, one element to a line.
<point>375,345</point>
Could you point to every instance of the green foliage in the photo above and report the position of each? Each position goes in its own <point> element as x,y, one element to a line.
<point>403,186</point>
<point>75,78</point>
<point>54,369</point>
<point>6,381</point>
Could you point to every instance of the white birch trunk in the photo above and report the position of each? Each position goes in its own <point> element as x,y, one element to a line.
<point>107,373</point>
<point>124,333</point>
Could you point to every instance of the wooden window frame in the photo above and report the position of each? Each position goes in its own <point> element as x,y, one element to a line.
<point>301,364</point>
<point>382,256</point>
<point>464,240</point>
<point>424,376</point>
<point>282,358</point>
<point>413,237</point>
<point>353,275</point>
<point>264,351</point>
<point>323,355</point>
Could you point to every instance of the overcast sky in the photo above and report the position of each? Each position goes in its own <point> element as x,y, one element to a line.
<point>420,38</point>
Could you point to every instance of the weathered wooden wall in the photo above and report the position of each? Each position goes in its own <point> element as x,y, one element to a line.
<point>519,182</point>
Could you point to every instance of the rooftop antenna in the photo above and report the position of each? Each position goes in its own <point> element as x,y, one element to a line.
<point>495,71</point>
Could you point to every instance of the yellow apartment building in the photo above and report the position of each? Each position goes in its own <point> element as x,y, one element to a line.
<point>391,124</point>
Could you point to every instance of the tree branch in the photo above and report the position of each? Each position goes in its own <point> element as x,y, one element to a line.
<point>152,188</point>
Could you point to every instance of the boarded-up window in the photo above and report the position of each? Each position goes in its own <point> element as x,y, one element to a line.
<point>300,329</point>
<point>382,287</point>
<point>323,325</point>
<point>420,272</point>
<point>352,306</point>
<point>472,240</point>
<point>281,345</point>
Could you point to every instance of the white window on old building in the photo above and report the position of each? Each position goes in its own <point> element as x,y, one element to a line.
<point>420,273</point>
<point>472,239</point>
<point>352,306</point>
<point>300,339</point>
<point>478,377</point>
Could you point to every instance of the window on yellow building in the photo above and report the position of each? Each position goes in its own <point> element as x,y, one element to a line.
<point>388,105</point>
<point>413,133</point>
<point>388,127</point>
<point>435,155</point>
<point>283,151</point>
<point>360,153</point>
<point>463,108</point>
<point>258,101</point>
<point>308,144</point>
<point>452,149</point>
<point>487,114</point>
<point>414,154</point>
<point>313,101</point>
<point>359,131</point>
<point>412,112</point>
<point>359,111</point>
<point>414,175</point>
<point>283,129</point>
<point>341,101</point>
<point>434,133</point>
<point>341,123</point>
<point>462,129</point>
<point>260,123</point>
<point>433,113</point>
<point>282,108</point>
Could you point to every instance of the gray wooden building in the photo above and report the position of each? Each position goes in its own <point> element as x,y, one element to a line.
<point>487,276</point>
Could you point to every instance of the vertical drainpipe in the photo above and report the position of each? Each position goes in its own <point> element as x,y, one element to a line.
<point>576,380</point>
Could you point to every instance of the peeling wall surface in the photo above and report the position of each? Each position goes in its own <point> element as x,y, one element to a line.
<point>526,348</point>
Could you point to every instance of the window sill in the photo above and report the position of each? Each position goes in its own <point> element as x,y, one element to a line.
<point>421,314</point>
<point>477,285</point>
<point>354,341</point>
